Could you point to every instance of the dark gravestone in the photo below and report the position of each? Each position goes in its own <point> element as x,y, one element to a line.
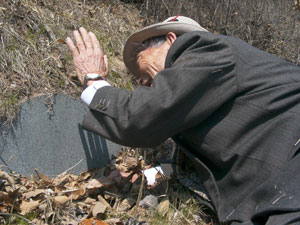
<point>47,135</point>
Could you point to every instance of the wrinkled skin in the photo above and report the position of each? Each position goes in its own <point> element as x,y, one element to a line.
<point>89,58</point>
<point>152,60</point>
<point>87,55</point>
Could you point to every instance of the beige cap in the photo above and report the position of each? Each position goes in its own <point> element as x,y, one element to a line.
<point>176,24</point>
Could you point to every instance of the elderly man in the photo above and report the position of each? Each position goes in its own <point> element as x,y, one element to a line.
<point>235,111</point>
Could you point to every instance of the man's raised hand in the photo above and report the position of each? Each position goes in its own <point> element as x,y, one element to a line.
<point>87,56</point>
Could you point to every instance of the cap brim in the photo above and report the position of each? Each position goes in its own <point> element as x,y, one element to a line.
<point>133,42</point>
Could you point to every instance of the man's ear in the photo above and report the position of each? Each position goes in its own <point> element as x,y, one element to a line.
<point>171,37</point>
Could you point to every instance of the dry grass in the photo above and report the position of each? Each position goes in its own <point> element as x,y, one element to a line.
<point>34,61</point>
<point>271,25</point>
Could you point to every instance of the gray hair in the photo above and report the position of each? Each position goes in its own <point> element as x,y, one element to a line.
<point>151,42</point>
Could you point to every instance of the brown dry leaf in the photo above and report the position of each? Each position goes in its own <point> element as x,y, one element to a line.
<point>60,178</point>
<point>6,198</point>
<point>121,167</point>
<point>131,162</point>
<point>32,194</point>
<point>163,207</point>
<point>89,200</point>
<point>46,180</point>
<point>61,200</point>
<point>13,194</point>
<point>87,174</point>
<point>24,181</point>
<point>94,183</point>
<point>21,188</point>
<point>126,204</point>
<point>92,222</point>
<point>28,206</point>
<point>43,206</point>
<point>6,176</point>
<point>101,199</point>
<point>73,177</point>
<point>99,208</point>
<point>78,193</point>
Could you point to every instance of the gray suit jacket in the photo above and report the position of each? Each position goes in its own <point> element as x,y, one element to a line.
<point>235,108</point>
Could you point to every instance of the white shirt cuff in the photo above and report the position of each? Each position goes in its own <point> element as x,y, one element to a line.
<point>88,93</point>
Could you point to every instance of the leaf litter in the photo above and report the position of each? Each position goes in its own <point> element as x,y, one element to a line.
<point>109,195</point>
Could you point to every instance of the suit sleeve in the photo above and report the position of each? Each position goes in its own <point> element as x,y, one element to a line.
<point>199,79</point>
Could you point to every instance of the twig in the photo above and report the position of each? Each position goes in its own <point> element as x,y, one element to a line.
<point>112,194</point>
<point>67,169</point>
<point>141,187</point>
<point>73,166</point>
<point>17,215</point>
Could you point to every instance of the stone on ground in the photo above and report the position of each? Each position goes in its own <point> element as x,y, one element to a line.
<point>47,135</point>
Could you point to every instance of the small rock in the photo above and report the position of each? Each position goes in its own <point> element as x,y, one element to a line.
<point>149,201</point>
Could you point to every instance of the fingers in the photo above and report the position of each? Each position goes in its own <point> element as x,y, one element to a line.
<point>86,38</point>
<point>72,47</point>
<point>79,41</point>
<point>95,42</point>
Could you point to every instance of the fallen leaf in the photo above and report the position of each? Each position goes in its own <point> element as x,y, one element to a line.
<point>32,194</point>
<point>126,204</point>
<point>101,199</point>
<point>79,193</point>
<point>6,198</point>
<point>89,201</point>
<point>61,199</point>
<point>43,206</point>
<point>87,174</point>
<point>99,208</point>
<point>60,178</point>
<point>94,183</point>
<point>43,177</point>
<point>92,222</point>
<point>28,206</point>
<point>6,176</point>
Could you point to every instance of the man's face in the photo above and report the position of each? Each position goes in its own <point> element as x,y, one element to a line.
<point>152,60</point>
